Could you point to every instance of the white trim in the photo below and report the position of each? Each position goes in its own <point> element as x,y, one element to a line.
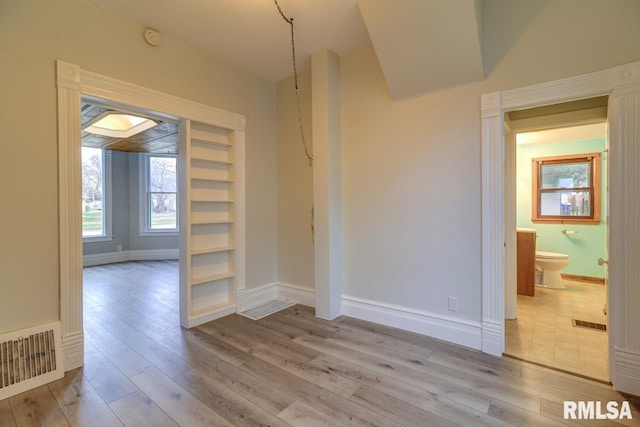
<point>458,331</point>
<point>627,370</point>
<point>302,295</point>
<point>623,85</point>
<point>135,255</point>
<point>196,320</point>
<point>124,94</point>
<point>260,295</point>
<point>73,350</point>
<point>69,213</point>
<point>96,239</point>
<point>270,291</point>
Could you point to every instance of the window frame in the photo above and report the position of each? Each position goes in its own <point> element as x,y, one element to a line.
<point>144,194</point>
<point>595,189</point>
<point>107,230</point>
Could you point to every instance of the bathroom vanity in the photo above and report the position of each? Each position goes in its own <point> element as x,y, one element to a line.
<point>526,261</point>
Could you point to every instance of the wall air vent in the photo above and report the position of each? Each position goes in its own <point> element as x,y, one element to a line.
<point>30,358</point>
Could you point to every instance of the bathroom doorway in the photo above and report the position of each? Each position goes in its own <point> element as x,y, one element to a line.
<point>559,321</point>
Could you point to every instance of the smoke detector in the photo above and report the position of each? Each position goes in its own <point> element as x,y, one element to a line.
<point>152,37</point>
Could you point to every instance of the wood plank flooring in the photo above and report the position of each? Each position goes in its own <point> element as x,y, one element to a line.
<point>290,368</point>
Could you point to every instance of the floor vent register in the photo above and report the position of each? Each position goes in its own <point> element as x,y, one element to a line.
<point>267,308</point>
<point>589,325</point>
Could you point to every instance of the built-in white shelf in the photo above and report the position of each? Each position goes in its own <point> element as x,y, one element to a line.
<point>211,278</point>
<point>220,180</point>
<point>211,250</point>
<point>213,221</point>
<point>210,160</point>
<point>199,135</point>
<point>203,200</point>
<point>210,255</point>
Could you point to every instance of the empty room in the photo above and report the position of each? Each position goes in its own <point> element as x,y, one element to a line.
<point>310,212</point>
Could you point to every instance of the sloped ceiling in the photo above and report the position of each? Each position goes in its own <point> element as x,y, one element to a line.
<point>422,45</point>
<point>425,45</point>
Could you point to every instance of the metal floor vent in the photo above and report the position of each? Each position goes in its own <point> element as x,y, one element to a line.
<point>589,325</point>
<point>267,308</point>
<point>29,358</point>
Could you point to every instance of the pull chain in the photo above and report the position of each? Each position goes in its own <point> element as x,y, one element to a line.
<point>295,79</point>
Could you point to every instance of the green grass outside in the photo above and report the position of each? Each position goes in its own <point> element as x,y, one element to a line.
<point>92,220</point>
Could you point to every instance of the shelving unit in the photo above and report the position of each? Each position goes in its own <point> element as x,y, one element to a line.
<point>208,245</point>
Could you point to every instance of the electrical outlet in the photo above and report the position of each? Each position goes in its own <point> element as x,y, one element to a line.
<point>119,248</point>
<point>453,304</point>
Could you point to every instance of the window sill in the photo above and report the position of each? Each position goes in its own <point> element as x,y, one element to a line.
<point>158,233</point>
<point>95,239</point>
<point>566,221</point>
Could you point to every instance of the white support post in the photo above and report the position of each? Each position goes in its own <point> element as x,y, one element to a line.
<point>327,191</point>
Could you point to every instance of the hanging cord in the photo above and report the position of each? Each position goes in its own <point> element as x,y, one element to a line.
<point>295,79</point>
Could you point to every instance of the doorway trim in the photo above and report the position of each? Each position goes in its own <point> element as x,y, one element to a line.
<point>72,84</point>
<point>622,84</point>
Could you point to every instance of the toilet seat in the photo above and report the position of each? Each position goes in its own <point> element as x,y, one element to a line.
<point>550,255</point>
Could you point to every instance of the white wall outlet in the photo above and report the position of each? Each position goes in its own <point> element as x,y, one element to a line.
<point>119,248</point>
<point>453,304</point>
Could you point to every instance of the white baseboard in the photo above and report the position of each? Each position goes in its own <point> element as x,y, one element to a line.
<point>271,291</point>
<point>304,296</point>
<point>73,350</point>
<point>136,255</point>
<point>458,331</point>
<point>626,371</point>
<point>493,338</point>
<point>259,295</point>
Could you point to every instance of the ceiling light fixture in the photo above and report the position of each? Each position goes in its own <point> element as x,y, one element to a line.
<point>119,125</point>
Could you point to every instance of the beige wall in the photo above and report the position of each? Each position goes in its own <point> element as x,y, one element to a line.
<point>295,185</point>
<point>33,34</point>
<point>412,168</point>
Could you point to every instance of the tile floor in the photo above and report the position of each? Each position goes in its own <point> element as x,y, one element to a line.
<point>543,332</point>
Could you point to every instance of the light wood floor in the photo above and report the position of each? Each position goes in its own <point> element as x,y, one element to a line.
<point>290,368</point>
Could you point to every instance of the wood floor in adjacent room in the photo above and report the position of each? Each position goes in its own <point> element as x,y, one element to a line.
<point>289,368</point>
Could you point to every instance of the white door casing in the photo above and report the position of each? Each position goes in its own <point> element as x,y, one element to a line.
<point>74,83</point>
<point>622,84</point>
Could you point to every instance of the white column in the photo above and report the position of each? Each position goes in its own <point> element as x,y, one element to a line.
<point>70,195</point>
<point>624,232</point>
<point>492,225</point>
<point>327,182</point>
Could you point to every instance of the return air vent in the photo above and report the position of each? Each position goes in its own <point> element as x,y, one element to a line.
<point>589,325</point>
<point>29,358</point>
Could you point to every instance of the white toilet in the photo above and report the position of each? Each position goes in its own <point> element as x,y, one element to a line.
<point>551,263</point>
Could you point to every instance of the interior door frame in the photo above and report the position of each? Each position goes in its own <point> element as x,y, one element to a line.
<point>622,85</point>
<point>72,84</point>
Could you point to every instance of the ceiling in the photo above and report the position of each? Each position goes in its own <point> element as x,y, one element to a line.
<point>251,35</point>
<point>565,134</point>
<point>162,138</point>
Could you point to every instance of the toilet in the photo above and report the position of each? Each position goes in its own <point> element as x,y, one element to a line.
<point>551,263</point>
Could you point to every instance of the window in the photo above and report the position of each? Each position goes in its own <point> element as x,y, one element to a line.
<point>566,189</point>
<point>159,194</point>
<point>96,194</point>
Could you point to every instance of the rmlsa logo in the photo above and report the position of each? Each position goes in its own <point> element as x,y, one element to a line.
<point>594,410</point>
